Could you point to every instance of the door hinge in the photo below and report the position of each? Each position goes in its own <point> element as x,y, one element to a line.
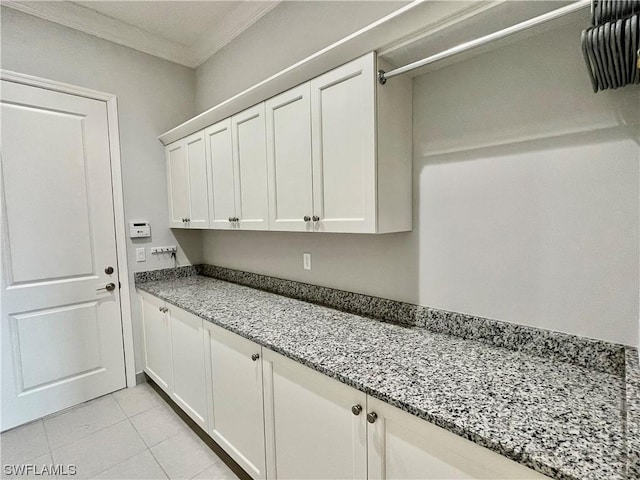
<point>119,285</point>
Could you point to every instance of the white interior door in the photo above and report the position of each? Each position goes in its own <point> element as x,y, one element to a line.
<point>289,160</point>
<point>61,330</point>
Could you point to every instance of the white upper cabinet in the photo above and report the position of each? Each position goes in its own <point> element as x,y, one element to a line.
<point>289,160</point>
<point>222,189</point>
<point>187,182</point>
<point>250,165</point>
<point>344,148</point>
<point>331,155</point>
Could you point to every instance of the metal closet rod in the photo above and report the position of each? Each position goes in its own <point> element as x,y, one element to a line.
<point>478,42</point>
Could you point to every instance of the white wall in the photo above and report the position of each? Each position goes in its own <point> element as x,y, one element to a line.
<point>153,96</point>
<point>531,217</point>
<point>290,32</point>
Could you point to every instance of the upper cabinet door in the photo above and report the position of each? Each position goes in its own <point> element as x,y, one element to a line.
<point>250,163</point>
<point>289,160</point>
<point>221,175</point>
<point>177,184</point>
<point>344,148</point>
<point>198,216</point>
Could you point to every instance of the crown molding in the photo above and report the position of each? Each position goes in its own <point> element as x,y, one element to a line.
<point>241,18</point>
<point>94,23</point>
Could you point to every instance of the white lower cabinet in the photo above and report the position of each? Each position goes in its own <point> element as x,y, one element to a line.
<point>281,420</point>
<point>188,389</point>
<point>311,429</point>
<point>236,412</point>
<point>174,355</point>
<point>157,343</point>
<point>402,446</point>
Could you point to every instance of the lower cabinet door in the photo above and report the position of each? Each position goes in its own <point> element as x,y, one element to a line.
<point>402,446</point>
<point>189,388</point>
<point>315,425</point>
<point>157,344</point>
<point>236,412</point>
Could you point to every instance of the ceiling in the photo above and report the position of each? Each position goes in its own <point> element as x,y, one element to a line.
<point>186,32</point>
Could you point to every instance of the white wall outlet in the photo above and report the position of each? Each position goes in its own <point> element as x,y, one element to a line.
<point>141,255</point>
<point>306,261</point>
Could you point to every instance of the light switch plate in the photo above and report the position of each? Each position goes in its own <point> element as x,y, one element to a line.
<point>306,261</point>
<point>141,255</point>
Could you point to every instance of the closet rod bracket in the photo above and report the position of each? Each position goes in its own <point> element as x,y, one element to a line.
<point>381,78</point>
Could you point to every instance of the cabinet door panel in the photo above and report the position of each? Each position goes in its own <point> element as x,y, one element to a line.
<point>177,184</point>
<point>237,420</point>
<point>189,381</point>
<point>344,148</point>
<point>157,345</point>
<point>402,446</point>
<point>250,160</point>
<point>311,430</point>
<point>221,174</point>
<point>289,160</point>
<point>198,189</point>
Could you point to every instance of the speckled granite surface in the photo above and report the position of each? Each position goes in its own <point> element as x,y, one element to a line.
<point>594,354</point>
<point>561,419</point>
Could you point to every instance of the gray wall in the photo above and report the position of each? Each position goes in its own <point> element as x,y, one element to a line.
<point>290,32</point>
<point>153,96</point>
<point>526,199</point>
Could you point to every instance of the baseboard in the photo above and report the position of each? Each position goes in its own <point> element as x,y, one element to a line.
<point>204,436</point>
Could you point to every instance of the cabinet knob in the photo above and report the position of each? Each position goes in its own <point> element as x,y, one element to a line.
<point>188,219</point>
<point>356,409</point>
<point>307,218</point>
<point>236,219</point>
<point>231,219</point>
<point>316,218</point>
<point>108,270</point>
<point>255,356</point>
<point>372,417</point>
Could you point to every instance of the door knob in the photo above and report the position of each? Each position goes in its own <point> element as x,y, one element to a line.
<point>108,270</point>
<point>372,417</point>
<point>255,356</point>
<point>356,409</point>
<point>109,287</point>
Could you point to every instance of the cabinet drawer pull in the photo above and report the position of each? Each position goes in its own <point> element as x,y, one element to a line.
<point>255,356</point>
<point>356,409</point>
<point>372,417</point>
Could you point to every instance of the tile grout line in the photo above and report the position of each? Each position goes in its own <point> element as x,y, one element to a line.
<point>128,458</point>
<point>159,464</point>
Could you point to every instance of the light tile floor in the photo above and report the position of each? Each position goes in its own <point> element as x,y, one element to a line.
<point>130,434</point>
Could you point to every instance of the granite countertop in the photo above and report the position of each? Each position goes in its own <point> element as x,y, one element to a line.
<point>561,419</point>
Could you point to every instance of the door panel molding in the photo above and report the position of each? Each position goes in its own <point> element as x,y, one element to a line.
<point>111,103</point>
